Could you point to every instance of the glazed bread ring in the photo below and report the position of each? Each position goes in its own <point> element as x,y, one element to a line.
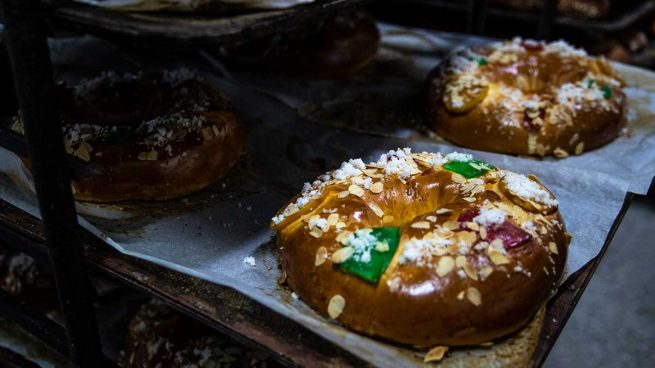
<point>337,45</point>
<point>527,98</point>
<point>157,136</point>
<point>423,249</point>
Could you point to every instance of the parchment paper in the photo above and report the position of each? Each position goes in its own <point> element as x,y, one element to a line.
<point>209,234</point>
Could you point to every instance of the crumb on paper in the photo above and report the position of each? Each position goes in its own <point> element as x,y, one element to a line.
<point>250,261</point>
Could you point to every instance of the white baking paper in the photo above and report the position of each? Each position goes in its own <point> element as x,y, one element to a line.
<point>210,234</point>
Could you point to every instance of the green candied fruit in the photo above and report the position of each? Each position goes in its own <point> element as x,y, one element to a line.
<point>607,92</point>
<point>482,61</point>
<point>374,249</point>
<point>590,83</point>
<point>469,169</point>
<point>118,135</point>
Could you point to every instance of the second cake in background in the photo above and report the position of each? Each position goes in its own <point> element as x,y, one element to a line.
<point>156,136</point>
<point>336,45</point>
<point>528,98</point>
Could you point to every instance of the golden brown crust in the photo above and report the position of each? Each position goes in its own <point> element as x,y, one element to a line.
<point>466,292</point>
<point>532,100</point>
<point>514,352</point>
<point>338,45</point>
<point>156,137</point>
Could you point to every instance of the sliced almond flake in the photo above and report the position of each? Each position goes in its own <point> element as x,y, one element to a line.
<point>336,306</point>
<point>579,148</point>
<point>333,219</point>
<point>445,265</point>
<point>453,248</point>
<point>356,190</point>
<point>532,143</point>
<point>442,211</point>
<point>153,155</point>
<point>98,154</point>
<point>496,256</point>
<point>444,233</point>
<point>378,211</point>
<point>546,271</point>
<point>450,225</point>
<point>470,199</point>
<point>86,146</point>
<point>343,194</point>
<point>343,237</point>
<point>460,261</point>
<point>475,166</point>
<point>83,154</point>
<point>435,354</point>
<point>207,133</point>
<point>388,219</point>
<point>282,279</point>
<point>369,172</point>
<point>421,225</point>
<point>342,254</point>
<point>460,295</point>
<point>470,271</point>
<point>321,256</point>
<point>553,247</point>
<point>377,187</point>
<point>311,218</point>
<point>560,153</point>
<point>431,218</point>
<point>142,156</point>
<point>457,178</point>
<point>215,130</point>
<point>316,232</point>
<point>473,226</point>
<point>291,209</point>
<point>485,271</point>
<point>340,225</point>
<point>438,251</point>
<point>473,296</point>
<point>483,233</point>
<point>487,344</point>
<point>466,237</point>
<point>467,188</point>
<point>382,247</point>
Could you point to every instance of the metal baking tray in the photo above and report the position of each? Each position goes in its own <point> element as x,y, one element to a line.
<point>252,323</point>
<point>165,30</point>
<point>620,18</point>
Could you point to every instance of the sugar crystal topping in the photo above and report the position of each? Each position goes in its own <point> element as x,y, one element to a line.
<point>419,251</point>
<point>527,189</point>
<point>490,217</point>
<point>400,163</point>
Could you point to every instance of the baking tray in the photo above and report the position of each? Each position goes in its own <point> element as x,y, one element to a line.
<point>618,19</point>
<point>252,323</point>
<point>333,147</point>
<point>165,30</point>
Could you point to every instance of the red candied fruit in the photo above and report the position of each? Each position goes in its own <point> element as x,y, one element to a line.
<point>511,235</point>
<point>468,215</point>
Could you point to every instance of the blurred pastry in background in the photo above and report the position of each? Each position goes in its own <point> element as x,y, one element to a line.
<point>526,97</point>
<point>572,8</point>
<point>333,46</point>
<point>159,336</point>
